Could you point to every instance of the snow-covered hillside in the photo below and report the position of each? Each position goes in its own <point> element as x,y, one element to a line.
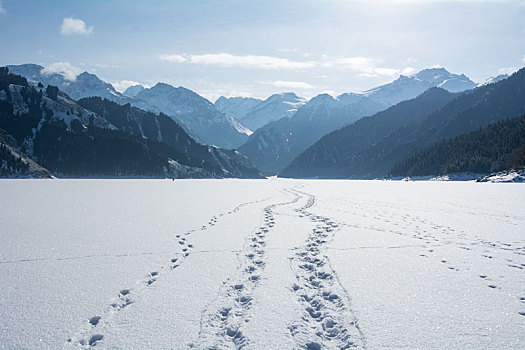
<point>82,85</point>
<point>237,107</point>
<point>200,117</point>
<point>275,107</point>
<point>275,145</point>
<point>493,80</point>
<point>261,264</point>
<point>408,87</point>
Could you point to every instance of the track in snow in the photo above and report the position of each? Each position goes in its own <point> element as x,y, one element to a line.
<point>89,337</point>
<point>328,320</point>
<point>221,327</point>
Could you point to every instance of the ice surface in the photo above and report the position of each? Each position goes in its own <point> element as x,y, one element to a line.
<point>261,264</point>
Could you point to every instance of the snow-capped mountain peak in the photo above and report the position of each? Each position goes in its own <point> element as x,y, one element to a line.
<point>84,85</point>
<point>133,91</point>
<point>433,74</point>
<point>493,80</point>
<point>237,107</point>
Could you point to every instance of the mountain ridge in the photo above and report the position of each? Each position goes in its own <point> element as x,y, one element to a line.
<point>208,125</point>
<point>274,146</point>
<point>468,110</point>
<point>72,140</point>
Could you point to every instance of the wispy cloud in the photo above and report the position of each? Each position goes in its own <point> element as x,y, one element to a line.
<point>2,9</point>
<point>365,66</point>
<point>292,84</point>
<point>507,70</point>
<point>408,71</point>
<point>247,61</point>
<point>69,71</point>
<point>73,26</point>
<point>523,59</point>
<point>362,66</point>
<point>173,58</point>
<point>122,85</point>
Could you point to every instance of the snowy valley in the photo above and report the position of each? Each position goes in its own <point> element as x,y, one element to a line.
<point>261,264</point>
<point>253,175</point>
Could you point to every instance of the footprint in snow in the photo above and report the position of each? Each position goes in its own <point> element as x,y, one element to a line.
<point>94,320</point>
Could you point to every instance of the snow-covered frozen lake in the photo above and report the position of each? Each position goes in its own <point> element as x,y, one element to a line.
<point>261,264</point>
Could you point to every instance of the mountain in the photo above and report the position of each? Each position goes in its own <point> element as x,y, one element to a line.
<point>498,147</point>
<point>200,117</point>
<point>84,85</point>
<point>161,134</point>
<point>407,87</point>
<point>237,107</point>
<point>493,80</point>
<point>71,140</point>
<point>13,163</point>
<point>336,156</point>
<point>132,91</point>
<point>274,146</point>
<point>275,107</point>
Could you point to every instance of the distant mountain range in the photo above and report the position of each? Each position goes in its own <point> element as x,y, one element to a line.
<point>493,80</point>
<point>256,113</point>
<point>84,85</point>
<point>132,91</point>
<point>338,155</point>
<point>197,115</point>
<point>272,147</point>
<point>237,107</point>
<point>429,123</point>
<point>98,137</point>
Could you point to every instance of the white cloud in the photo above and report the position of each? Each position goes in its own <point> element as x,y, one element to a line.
<point>2,9</point>
<point>71,26</point>
<point>366,66</point>
<point>507,70</point>
<point>523,59</point>
<point>292,84</point>
<point>329,92</point>
<point>173,58</point>
<point>247,61</point>
<point>215,94</point>
<point>122,85</point>
<point>408,71</point>
<point>386,71</point>
<point>363,66</point>
<point>356,63</point>
<point>66,69</point>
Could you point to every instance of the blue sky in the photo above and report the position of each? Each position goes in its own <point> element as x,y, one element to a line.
<point>256,48</point>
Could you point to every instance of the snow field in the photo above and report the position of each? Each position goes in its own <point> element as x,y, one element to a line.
<point>261,264</point>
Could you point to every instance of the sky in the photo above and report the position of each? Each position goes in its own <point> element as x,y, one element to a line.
<point>257,48</point>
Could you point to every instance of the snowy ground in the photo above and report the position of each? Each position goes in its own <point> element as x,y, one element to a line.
<point>261,264</point>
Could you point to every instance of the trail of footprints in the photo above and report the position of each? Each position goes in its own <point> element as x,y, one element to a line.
<point>415,223</point>
<point>91,337</point>
<point>223,327</point>
<point>467,244</point>
<point>327,319</point>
